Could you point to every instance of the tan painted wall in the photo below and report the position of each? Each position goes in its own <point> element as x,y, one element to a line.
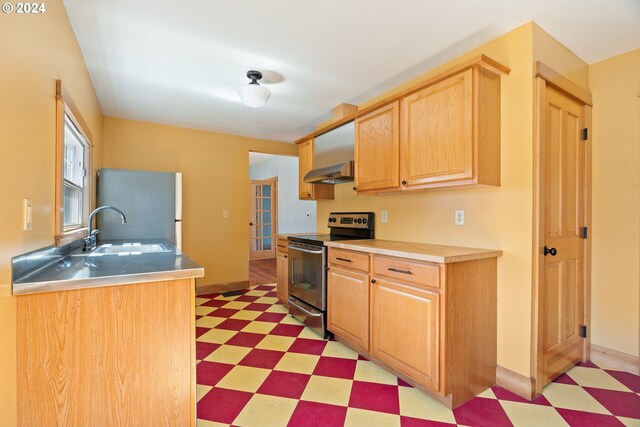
<point>36,50</point>
<point>497,217</point>
<point>557,56</point>
<point>216,177</point>
<point>615,271</point>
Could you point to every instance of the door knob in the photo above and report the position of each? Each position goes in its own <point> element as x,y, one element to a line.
<point>552,251</point>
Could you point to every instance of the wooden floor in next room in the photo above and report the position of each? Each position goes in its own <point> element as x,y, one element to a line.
<point>262,271</point>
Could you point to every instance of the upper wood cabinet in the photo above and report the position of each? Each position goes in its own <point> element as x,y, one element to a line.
<point>377,149</point>
<point>437,132</point>
<point>444,133</point>
<point>308,191</point>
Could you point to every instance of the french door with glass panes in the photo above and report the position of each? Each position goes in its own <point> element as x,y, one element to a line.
<point>262,220</point>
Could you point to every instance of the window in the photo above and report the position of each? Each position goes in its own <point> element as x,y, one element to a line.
<point>75,159</point>
<point>73,172</point>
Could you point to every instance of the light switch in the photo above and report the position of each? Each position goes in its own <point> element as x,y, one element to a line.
<point>383,217</point>
<point>225,213</point>
<point>459,217</point>
<point>28,215</point>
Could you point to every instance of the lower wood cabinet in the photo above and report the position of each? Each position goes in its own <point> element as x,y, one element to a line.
<point>348,305</point>
<point>282,270</point>
<point>120,355</point>
<point>433,324</point>
<point>405,330</point>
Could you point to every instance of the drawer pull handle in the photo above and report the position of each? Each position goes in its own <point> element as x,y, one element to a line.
<point>343,259</point>
<point>398,270</point>
<point>281,246</point>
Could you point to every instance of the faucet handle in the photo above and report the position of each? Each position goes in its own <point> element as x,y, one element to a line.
<point>95,232</point>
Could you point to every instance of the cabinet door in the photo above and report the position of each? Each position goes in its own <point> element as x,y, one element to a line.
<point>282,268</point>
<point>437,132</point>
<point>377,149</point>
<point>348,306</point>
<point>405,330</point>
<point>308,191</point>
<point>305,153</point>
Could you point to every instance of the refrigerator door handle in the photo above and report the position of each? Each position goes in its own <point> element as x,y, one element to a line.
<point>179,210</point>
<point>179,234</point>
<point>179,195</point>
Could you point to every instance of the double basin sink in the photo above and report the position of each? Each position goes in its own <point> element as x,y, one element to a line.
<point>127,249</point>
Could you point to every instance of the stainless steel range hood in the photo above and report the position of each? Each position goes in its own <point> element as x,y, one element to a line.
<point>334,174</point>
<point>333,156</point>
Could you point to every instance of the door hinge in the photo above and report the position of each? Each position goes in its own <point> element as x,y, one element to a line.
<point>583,232</point>
<point>583,331</point>
<point>585,134</point>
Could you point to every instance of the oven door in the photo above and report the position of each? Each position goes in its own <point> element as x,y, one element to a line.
<point>307,274</point>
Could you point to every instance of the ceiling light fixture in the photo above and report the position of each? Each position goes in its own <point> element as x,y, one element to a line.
<point>253,94</point>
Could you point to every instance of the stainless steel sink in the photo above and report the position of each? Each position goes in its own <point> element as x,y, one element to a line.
<point>130,249</point>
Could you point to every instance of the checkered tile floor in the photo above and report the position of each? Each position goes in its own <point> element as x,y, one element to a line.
<point>259,367</point>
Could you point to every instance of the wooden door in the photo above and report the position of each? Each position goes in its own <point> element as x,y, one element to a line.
<point>305,153</point>
<point>437,132</point>
<point>263,219</point>
<point>405,330</point>
<point>348,306</point>
<point>282,268</point>
<point>377,149</point>
<point>562,210</point>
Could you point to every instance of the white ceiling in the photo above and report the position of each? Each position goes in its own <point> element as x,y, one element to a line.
<point>180,62</point>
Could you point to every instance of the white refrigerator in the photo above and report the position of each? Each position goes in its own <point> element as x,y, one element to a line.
<point>151,201</point>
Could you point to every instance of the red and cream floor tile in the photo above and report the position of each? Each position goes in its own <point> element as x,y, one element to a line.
<point>259,367</point>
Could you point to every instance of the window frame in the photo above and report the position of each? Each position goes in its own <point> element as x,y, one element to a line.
<point>65,109</point>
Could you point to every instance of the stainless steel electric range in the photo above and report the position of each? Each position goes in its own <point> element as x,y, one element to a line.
<point>308,266</point>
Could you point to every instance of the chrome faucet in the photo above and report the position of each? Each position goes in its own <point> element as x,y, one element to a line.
<point>90,240</point>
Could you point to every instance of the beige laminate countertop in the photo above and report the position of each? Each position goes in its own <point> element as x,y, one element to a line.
<point>416,251</point>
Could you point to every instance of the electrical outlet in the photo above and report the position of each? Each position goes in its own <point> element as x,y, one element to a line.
<point>225,213</point>
<point>459,217</point>
<point>28,214</point>
<point>384,217</point>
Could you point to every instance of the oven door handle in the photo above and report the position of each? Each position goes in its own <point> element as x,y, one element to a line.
<point>295,248</point>
<point>293,301</point>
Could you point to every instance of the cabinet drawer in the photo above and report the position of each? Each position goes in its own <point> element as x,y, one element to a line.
<point>422,273</point>
<point>350,259</point>
<point>281,246</point>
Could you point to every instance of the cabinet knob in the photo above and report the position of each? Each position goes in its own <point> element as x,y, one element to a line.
<point>404,182</point>
<point>308,194</point>
<point>354,188</point>
<point>373,280</point>
<point>250,223</point>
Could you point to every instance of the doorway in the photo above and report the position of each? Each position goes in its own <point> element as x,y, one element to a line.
<point>561,255</point>
<point>263,219</point>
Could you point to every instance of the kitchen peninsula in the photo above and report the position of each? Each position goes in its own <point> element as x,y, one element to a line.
<point>106,337</point>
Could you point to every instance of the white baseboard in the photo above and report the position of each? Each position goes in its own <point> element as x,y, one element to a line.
<point>615,359</point>
<point>515,382</point>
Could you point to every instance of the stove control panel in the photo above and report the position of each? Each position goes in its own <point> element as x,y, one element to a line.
<point>363,220</point>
